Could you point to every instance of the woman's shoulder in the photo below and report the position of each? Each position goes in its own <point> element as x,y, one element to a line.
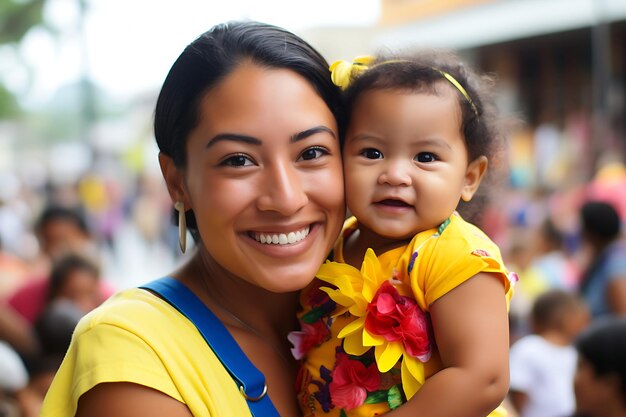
<point>131,309</point>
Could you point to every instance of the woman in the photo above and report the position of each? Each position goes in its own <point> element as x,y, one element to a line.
<point>247,127</point>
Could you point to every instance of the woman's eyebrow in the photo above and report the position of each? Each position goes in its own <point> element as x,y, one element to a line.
<point>312,131</point>
<point>233,137</point>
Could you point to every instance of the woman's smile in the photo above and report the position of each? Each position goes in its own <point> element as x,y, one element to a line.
<point>282,238</point>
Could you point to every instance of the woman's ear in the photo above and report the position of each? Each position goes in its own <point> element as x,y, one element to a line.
<point>174,179</point>
<point>474,174</point>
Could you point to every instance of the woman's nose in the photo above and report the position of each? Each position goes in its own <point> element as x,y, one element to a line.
<point>282,190</point>
<point>396,172</point>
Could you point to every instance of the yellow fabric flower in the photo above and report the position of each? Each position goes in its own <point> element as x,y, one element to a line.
<point>355,291</point>
<point>342,72</point>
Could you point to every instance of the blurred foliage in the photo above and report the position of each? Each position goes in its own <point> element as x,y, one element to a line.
<point>17,17</point>
<point>8,104</point>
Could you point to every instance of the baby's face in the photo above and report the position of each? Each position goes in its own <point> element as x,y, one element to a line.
<point>405,161</point>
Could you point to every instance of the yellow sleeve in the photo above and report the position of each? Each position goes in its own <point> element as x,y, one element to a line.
<point>105,353</point>
<point>137,337</point>
<point>443,261</point>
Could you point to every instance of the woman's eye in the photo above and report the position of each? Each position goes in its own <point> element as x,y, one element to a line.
<point>237,161</point>
<point>313,153</point>
<point>425,157</point>
<point>372,153</point>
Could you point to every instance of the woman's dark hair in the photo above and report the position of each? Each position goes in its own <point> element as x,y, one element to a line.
<point>216,54</point>
<point>64,266</point>
<point>421,72</point>
<point>603,346</point>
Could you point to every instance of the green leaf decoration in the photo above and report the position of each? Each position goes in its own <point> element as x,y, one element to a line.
<point>313,315</point>
<point>376,397</point>
<point>395,397</point>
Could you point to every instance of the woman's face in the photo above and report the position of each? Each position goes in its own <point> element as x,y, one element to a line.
<point>264,177</point>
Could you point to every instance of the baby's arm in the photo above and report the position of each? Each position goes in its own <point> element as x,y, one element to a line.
<point>472,335</point>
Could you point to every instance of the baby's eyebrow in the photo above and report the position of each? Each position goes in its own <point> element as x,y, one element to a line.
<point>439,143</point>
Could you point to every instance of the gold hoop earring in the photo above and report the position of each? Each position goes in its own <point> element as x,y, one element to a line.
<point>182,225</point>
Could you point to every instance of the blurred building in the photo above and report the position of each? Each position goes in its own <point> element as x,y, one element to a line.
<point>560,66</point>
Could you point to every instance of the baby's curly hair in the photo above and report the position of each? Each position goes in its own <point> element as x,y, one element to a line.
<point>421,72</point>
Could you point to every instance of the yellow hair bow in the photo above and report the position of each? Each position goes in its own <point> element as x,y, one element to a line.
<point>342,72</point>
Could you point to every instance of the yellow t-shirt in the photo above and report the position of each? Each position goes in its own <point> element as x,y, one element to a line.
<point>137,337</point>
<point>434,263</point>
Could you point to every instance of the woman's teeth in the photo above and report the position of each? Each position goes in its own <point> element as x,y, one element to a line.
<point>282,238</point>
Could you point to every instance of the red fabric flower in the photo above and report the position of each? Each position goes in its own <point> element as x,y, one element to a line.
<point>398,318</point>
<point>351,381</point>
<point>310,335</point>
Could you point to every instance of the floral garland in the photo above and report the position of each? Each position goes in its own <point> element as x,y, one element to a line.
<point>387,318</point>
<point>385,343</point>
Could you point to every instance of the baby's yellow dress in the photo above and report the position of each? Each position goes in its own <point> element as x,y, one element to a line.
<point>332,382</point>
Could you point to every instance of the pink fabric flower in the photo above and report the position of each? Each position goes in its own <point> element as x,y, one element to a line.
<point>398,318</point>
<point>351,380</point>
<point>310,335</point>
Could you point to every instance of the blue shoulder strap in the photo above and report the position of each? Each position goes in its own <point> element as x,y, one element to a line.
<point>249,379</point>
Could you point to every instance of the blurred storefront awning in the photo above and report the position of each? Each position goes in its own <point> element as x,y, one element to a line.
<point>464,24</point>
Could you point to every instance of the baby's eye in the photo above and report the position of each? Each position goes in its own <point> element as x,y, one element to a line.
<point>237,161</point>
<point>425,157</point>
<point>313,153</point>
<point>371,153</point>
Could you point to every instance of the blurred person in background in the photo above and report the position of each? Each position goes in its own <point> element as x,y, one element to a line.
<point>74,278</point>
<point>15,330</point>
<point>60,230</point>
<point>551,263</point>
<point>13,379</point>
<point>54,329</point>
<point>600,380</point>
<point>543,363</point>
<point>542,263</point>
<point>13,271</point>
<point>603,280</point>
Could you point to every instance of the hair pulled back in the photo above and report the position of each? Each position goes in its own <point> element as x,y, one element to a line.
<point>213,56</point>
<point>217,53</point>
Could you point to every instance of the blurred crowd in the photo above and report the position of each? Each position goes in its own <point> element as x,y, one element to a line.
<point>65,248</point>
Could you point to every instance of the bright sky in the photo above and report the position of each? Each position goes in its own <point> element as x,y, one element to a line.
<point>131,44</point>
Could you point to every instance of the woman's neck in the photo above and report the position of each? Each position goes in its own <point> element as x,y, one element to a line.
<point>237,302</point>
